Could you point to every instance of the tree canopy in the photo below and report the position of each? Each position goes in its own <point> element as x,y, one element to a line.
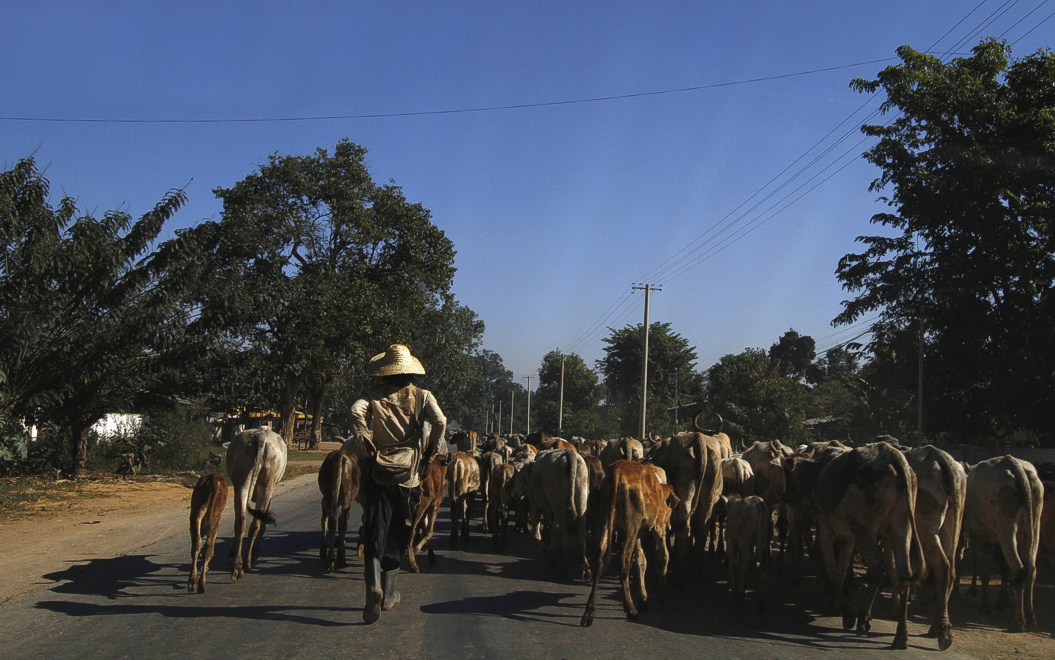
<point>968,171</point>
<point>671,375</point>
<point>87,305</point>
<point>315,269</point>
<point>582,394</point>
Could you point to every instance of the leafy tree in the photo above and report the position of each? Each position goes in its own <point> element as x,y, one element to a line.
<point>756,400</point>
<point>582,395</point>
<point>793,354</point>
<point>969,164</point>
<point>87,305</point>
<point>315,269</point>
<point>671,375</point>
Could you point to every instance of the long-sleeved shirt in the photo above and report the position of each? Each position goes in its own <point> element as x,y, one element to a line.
<point>391,410</point>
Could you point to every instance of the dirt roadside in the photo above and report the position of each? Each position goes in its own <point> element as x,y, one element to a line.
<point>101,521</point>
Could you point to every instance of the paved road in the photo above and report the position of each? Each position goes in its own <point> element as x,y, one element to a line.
<point>473,604</point>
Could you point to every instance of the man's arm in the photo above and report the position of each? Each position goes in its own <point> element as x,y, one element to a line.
<point>437,426</point>
<point>360,429</point>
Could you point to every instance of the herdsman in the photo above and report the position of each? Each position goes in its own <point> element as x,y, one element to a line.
<point>389,425</point>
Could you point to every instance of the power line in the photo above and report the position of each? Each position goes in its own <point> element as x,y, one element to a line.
<point>451,111</point>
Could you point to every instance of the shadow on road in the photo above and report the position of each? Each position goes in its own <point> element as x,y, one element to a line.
<point>276,613</point>
<point>515,605</point>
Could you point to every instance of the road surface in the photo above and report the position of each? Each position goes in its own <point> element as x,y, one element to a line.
<point>472,604</point>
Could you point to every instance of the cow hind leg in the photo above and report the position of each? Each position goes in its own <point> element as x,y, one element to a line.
<point>210,545</point>
<point>626,560</point>
<point>342,531</point>
<point>195,550</point>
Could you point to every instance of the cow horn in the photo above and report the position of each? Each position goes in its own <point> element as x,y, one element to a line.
<point>696,423</point>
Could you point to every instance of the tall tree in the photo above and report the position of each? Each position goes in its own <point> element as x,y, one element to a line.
<point>87,305</point>
<point>582,394</point>
<point>671,375</point>
<point>317,267</point>
<point>969,163</point>
<point>756,400</point>
<point>793,354</point>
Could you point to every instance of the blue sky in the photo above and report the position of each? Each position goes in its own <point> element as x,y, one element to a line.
<point>557,208</point>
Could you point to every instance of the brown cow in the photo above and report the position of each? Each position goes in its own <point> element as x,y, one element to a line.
<point>941,488</point>
<point>750,529</point>
<point>426,512</point>
<point>631,498</point>
<point>256,461</point>
<point>206,508</point>
<point>463,480</point>
<point>488,462</point>
<point>524,453</point>
<point>339,481</point>
<point>498,506</point>
<point>1005,499</point>
<point>464,441</point>
<point>864,499</point>
<point>590,448</point>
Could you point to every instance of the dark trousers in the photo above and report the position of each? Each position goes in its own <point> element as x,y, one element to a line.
<point>386,514</point>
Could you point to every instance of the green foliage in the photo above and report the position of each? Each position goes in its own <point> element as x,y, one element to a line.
<point>969,166</point>
<point>582,394</point>
<point>315,269</point>
<point>671,376</point>
<point>756,400</point>
<point>86,304</point>
<point>793,354</point>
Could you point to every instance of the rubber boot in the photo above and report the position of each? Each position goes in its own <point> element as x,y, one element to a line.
<point>388,586</point>
<point>374,595</point>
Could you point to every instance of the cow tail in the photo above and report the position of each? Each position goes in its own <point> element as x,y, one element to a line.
<point>701,468</point>
<point>260,451</point>
<point>916,558</point>
<point>335,502</point>
<point>1032,521</point>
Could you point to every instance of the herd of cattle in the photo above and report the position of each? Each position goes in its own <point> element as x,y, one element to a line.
<point>905,515</point>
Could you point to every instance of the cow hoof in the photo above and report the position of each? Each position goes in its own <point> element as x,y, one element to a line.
<point>201,587</point>
<point>944,640</point>
<point>587,620</point>
<point>863,627</point>
<point>900,642</point>
<point>432,559</point>
<point>849,620</point>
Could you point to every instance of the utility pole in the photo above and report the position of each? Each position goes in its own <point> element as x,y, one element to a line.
<point>512,397</point>
<point>498,427</point>
<point>529,404</point>
<point>560,408</point>
<point>648,288</point>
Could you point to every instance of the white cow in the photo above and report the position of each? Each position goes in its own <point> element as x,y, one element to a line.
<point>256,461</point>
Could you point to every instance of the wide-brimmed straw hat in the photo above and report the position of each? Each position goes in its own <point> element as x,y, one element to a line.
<point>395,361</point>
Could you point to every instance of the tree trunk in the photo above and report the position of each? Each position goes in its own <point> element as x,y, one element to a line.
<point>80,450</point>
<point>318,397</point>
<point>288,408</point>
